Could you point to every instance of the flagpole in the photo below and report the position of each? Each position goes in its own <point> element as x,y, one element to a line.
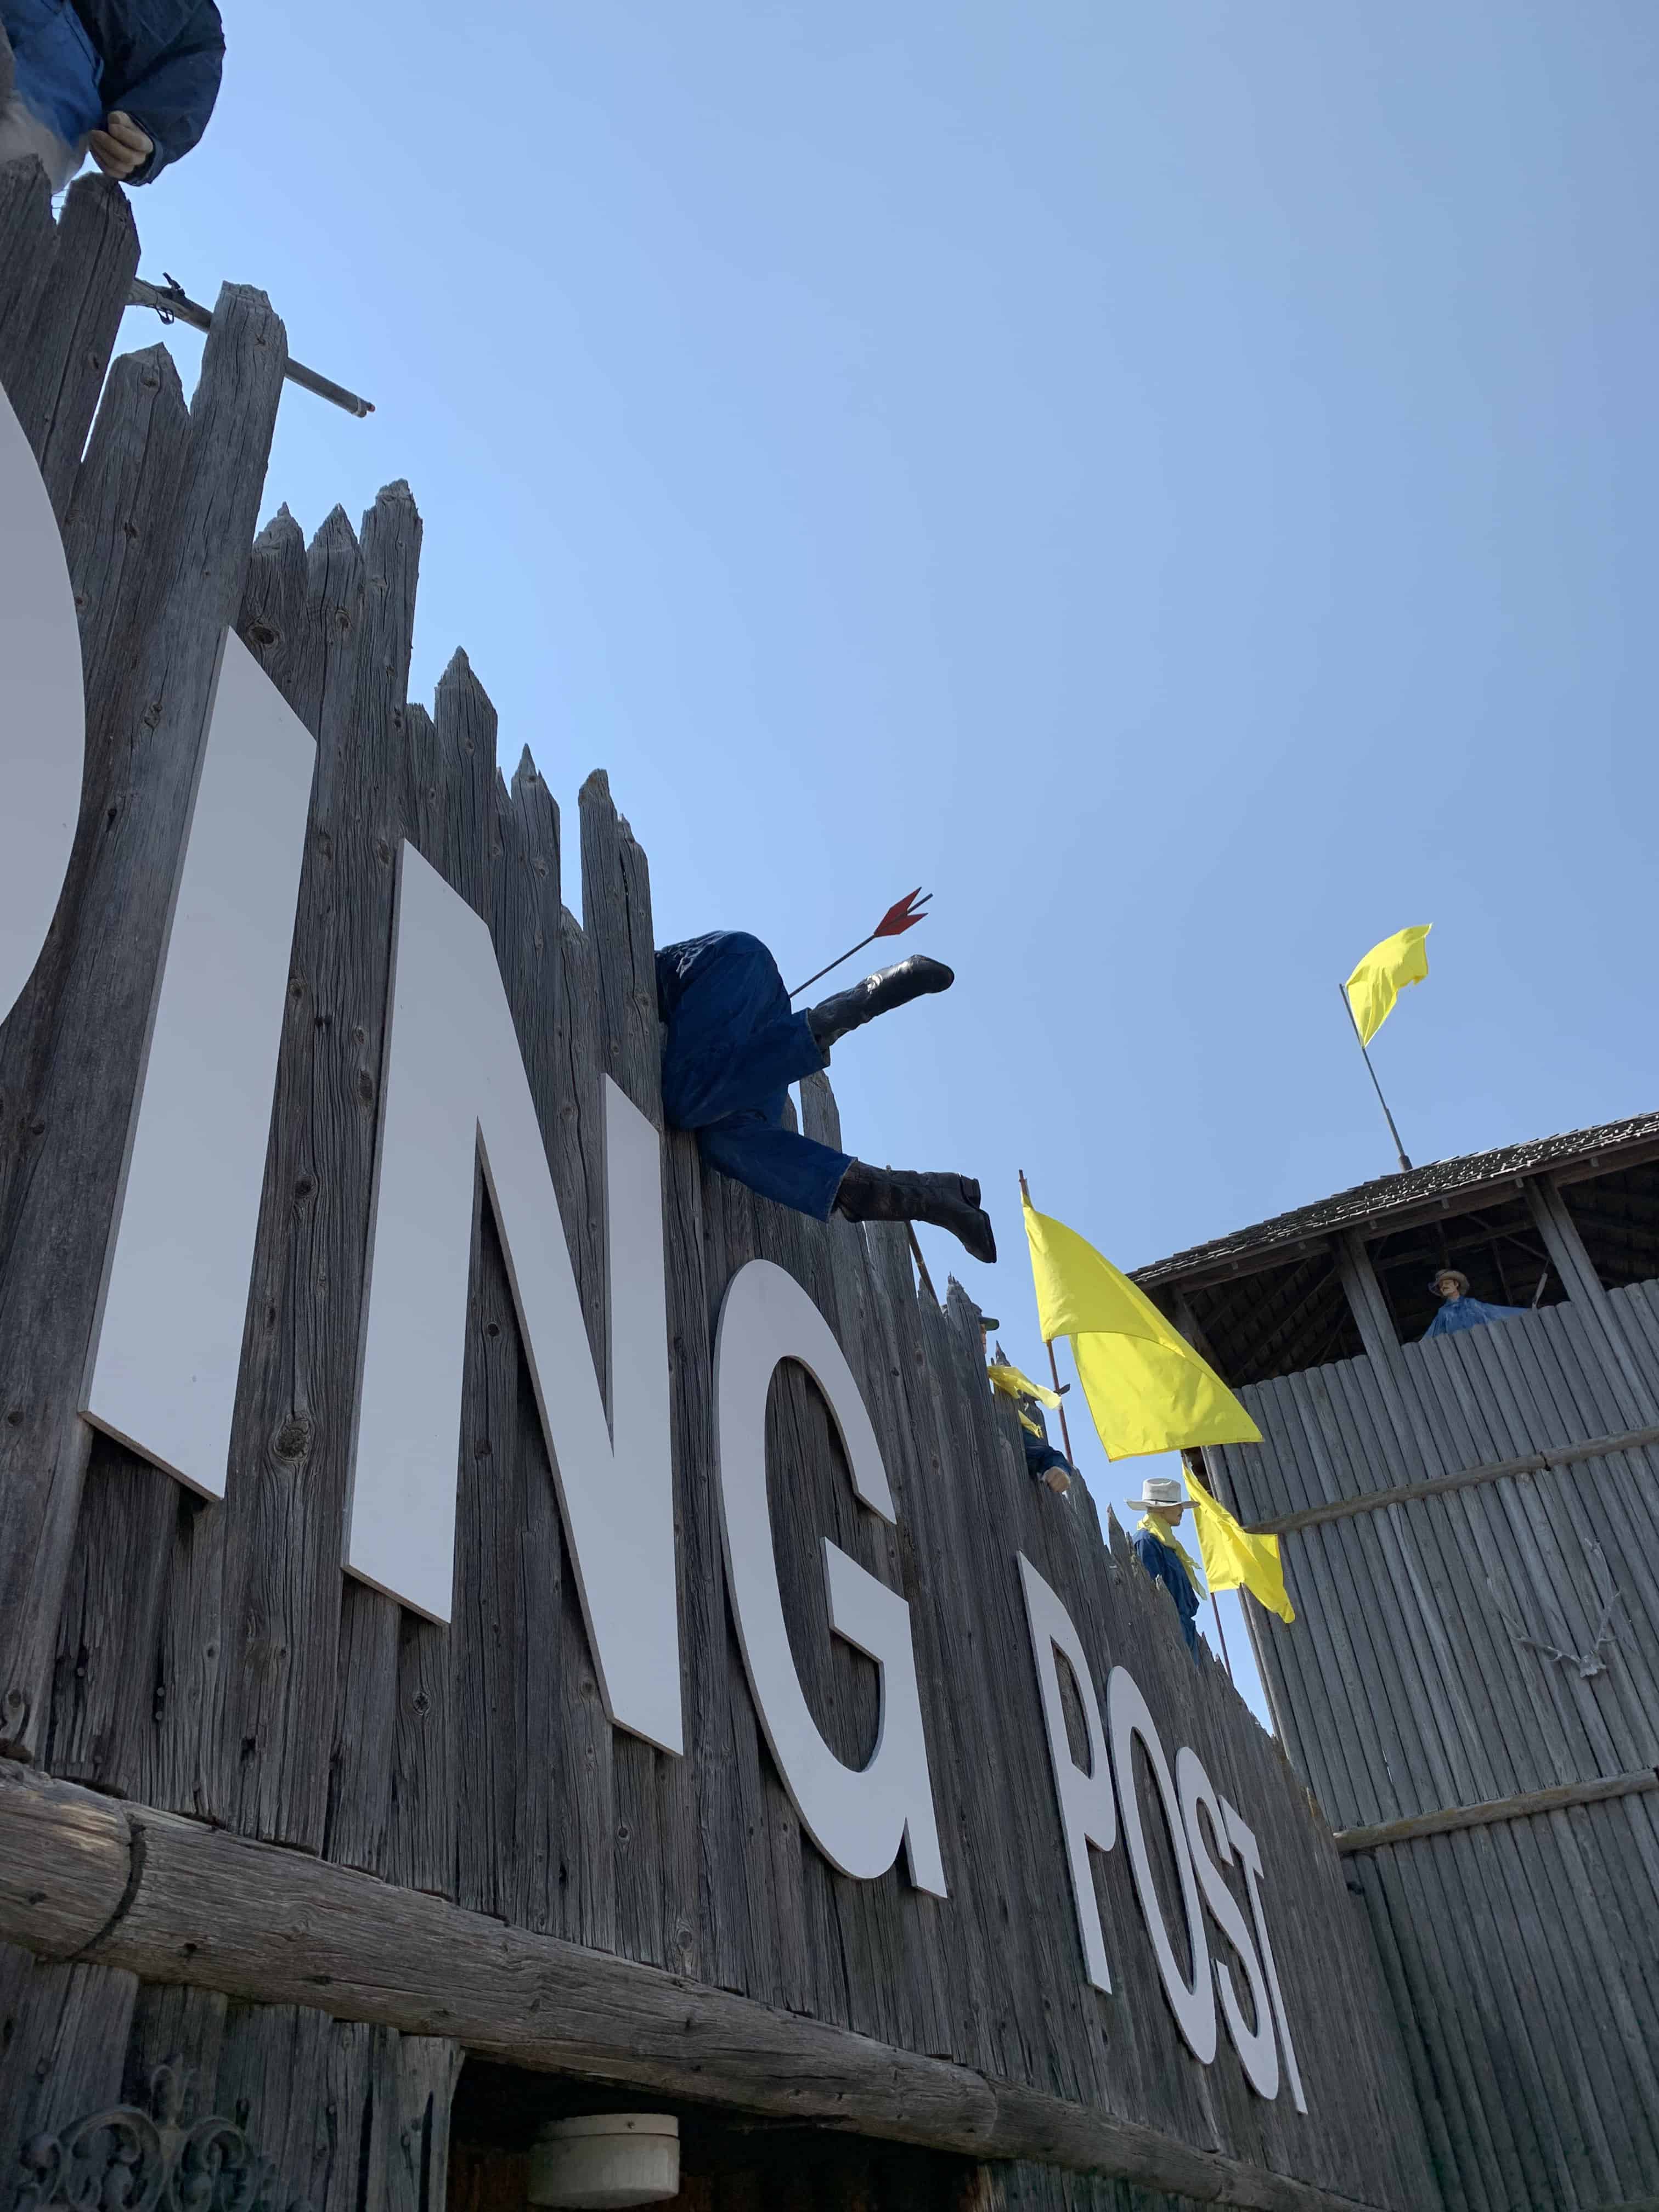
<point>1053,1364</point>
<point>1399,1148</point>
<point>1227,1657</point>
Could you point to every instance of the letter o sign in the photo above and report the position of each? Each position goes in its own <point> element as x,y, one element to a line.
<point>1193,2003</point>
<point>42,711</point>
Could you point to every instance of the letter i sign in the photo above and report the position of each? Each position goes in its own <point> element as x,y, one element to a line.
<point>42,711</point>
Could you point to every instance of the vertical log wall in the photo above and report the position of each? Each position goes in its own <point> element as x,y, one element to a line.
<point>211,1661</point>
<point>1495,1640</point>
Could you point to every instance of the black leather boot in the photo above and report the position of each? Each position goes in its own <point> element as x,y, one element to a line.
<point>832,1018</point>
<point>948,1201</point>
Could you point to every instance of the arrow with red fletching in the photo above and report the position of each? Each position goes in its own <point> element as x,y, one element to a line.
<point>903,914</point>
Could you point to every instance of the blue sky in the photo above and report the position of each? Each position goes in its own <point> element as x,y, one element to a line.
<point>1177,482</point>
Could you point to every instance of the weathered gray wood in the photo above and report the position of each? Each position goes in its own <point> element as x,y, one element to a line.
<point>78,1108</point>
<point>74,333</point>
<point>213,1661</point>
<point>178,2027</point>
<point>63,2032</point>
<point>820,1115</point>
<point>29,246</point>
<point>1523,1808</point>
<point>424,2071</point>
<point>1345,1509</point>
<point>1630,1385</point>
<point>1518,1953</point>
<point>220,1912</point>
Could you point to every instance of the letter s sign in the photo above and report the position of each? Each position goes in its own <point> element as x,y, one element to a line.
<point>43,719</point>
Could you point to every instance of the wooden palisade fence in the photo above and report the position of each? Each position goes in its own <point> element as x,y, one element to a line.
<point>256,1818</point>
<point>1474,1698</point>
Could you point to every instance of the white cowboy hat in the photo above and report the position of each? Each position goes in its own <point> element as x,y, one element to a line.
<point>1163,1491</point>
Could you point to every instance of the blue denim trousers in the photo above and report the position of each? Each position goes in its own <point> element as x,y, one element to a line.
<point>733,1046</point>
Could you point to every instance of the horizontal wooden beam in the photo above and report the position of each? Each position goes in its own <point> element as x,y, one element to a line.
<point>1452,1817</point>
<point>172,1900</point>
<point>1497,1470</point>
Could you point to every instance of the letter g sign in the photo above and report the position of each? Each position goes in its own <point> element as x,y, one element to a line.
<point>43,722</point>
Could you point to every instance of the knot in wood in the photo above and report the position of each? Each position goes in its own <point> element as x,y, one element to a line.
<point>293,1439</point>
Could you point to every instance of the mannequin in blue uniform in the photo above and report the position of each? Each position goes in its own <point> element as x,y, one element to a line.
<point>133,82</point>
<point>1043,1463</point>
<point>734,1044</point>
<point>1458,1309</point>
<point>1163,1500</point>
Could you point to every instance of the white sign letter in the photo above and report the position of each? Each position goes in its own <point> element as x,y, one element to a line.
<point>1087,1813</point>
<point>454,1091</point>
<point>1193,2003</point>
<point>169,1345</point>
<point>856,1817</point>
<point>1245,1844</point>
<point>1258,2050</point>
<point>43,719</point>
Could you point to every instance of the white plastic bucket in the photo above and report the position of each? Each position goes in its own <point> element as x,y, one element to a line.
<point>604,2161</point>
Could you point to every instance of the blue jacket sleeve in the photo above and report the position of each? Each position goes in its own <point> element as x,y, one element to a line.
<point>174,98</point>
<point>1162,1565</point>
<point>1459,1314</point>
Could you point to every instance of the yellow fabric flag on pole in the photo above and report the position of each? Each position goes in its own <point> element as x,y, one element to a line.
<point>1007,1379</point>
<point>1384,974</point>
<point>1233,1559</point>
<point>1015,1386</point>
<point>1147,1389</point>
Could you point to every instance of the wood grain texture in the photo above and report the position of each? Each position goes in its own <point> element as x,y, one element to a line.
<point>340,1826</point>
<point>1473,1693</point>
<point>79,1102</point>
<point>302,1942</point>
<point>75,329</point>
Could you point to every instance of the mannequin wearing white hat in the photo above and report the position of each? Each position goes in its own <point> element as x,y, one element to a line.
<point>1163,1500</point>
<point>1458,1310</point>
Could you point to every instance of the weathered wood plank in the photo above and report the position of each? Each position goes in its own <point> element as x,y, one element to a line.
<point>53,1236</point>
<point>74,330</point>
<point>223,1913</point>
<point>1345,1509</point>
<point>63,2032</point>
<point>29,246</point>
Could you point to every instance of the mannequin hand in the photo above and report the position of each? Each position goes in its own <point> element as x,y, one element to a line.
<point>121,147</point>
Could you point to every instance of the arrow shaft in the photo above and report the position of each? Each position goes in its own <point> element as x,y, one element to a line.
<point>836,963</point>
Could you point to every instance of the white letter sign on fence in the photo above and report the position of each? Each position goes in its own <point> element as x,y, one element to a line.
<point>454,1095</point>
<point>1091,1812</point>
<point>1088,1813</point>
<point>43,726</point>
<point>1243,1842</point>
<point>857,1816</point>
<point>168,1345</point>
<point>1193,2003</point>
<point>1257,2048</point>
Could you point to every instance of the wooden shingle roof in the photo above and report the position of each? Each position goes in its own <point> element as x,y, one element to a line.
<point>1442,1187</point>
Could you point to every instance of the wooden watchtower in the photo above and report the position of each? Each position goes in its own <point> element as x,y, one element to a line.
<point>1470,1528</point>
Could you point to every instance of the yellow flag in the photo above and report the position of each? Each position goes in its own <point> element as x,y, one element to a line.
<point>1234,1559</point>
<point>1147,1389</point>
<point>1384,974</point>
<point>1008,1379</point>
